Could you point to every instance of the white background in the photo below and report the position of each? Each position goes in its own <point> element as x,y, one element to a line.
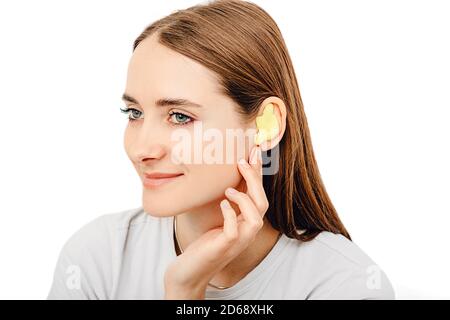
<point>374,78</point>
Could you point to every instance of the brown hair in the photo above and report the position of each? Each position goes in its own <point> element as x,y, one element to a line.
<point>243,45</point>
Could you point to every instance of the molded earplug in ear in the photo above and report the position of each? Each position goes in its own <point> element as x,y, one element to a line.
<point>267,124</point>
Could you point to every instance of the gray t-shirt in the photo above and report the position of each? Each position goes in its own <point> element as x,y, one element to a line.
<point>124,255</point>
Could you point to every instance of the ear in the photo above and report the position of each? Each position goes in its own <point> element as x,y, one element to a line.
<point>269,141</point>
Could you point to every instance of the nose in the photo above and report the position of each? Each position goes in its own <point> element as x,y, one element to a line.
<point>146,146</point>
<point>147,158</point>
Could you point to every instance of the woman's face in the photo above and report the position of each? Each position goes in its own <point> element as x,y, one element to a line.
<point>160,141</point>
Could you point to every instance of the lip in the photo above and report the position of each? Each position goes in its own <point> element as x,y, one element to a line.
<point>156,179</point>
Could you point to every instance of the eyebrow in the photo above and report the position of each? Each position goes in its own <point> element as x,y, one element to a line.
<point>163,102</point>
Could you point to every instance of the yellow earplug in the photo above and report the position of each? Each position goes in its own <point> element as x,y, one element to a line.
<point>267,125</point>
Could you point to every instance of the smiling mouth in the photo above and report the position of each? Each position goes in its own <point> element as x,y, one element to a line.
<point>154,182</point>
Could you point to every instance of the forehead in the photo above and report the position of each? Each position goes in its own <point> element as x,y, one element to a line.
<point>155,70</point>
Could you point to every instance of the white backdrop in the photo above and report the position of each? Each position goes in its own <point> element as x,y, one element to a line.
<point>374,78</point>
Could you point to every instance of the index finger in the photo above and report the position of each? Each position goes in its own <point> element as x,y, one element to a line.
<point>253,177</point>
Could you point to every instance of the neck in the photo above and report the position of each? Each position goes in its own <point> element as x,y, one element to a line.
<point>193,224</point>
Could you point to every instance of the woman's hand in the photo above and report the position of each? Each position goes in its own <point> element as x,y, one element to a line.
<point>188,276</point>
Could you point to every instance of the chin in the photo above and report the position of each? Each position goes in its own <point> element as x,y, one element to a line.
<point>158,209</point>
<point>157,205</point>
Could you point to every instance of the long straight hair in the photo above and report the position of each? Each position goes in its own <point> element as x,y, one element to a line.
<point>243,45</point>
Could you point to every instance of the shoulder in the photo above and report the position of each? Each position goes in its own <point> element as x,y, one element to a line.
<point>337,244</point>
<point>100,232</point>
<point>341,269</point>
<point>87,257</point>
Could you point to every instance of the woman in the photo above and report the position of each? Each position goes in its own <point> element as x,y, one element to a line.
<point>218,229</point>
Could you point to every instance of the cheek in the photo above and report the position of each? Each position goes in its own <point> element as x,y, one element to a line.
<point>212,180</point>
<point>200,185</point>
<point>207,183</point>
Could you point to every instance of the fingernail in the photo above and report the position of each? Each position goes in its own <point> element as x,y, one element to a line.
<point>231,191</point>
<point>225,204</point>
<point>243,163</point>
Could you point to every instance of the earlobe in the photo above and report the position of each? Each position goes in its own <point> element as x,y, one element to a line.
<point>267,124</point>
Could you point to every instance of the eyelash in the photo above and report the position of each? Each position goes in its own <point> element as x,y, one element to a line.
<point>171,113</point>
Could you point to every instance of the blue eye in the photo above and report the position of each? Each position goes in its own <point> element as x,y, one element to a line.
<point>133,114</point>
<point>180,117</point>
